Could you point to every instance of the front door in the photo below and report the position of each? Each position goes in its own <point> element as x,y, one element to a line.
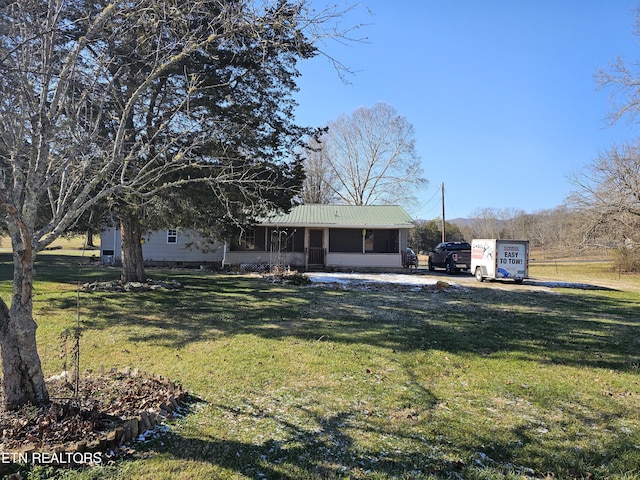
<point>315,253</point>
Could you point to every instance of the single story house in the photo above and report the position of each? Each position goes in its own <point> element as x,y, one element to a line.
<point>309,237</point>
<point>327,237</point>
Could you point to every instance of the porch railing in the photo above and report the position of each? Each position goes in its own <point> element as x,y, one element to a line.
<point>315,255</point>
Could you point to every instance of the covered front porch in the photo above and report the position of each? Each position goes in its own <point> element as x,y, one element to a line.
<point>314,248</point>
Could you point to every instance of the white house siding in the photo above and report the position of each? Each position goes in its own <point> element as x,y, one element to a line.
<point>110,246</point>
<point>260,258</point>
<point>157,251</point>
<point>367,261</point>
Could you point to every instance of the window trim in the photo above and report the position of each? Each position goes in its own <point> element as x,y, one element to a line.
<point>172,236</point>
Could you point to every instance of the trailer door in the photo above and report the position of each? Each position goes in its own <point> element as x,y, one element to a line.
<point>512,260</point>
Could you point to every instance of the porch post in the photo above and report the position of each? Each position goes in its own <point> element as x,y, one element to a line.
<point>306,248</point>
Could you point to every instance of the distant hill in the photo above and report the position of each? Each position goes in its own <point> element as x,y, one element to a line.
<point>457,221</point>
<point>461,221</point>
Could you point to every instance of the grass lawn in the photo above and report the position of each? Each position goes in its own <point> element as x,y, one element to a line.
<point>319,383</point>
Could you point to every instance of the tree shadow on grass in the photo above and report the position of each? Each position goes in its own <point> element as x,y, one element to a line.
<point>62,268</point>
<point>311,446</point>
<point>576,328</point>
<point>529,452</point>
<point>306,457</point>
<point>585,328</point>
<point>315,446</point>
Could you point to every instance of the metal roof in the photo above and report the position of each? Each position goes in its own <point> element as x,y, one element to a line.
<point>357,216</point>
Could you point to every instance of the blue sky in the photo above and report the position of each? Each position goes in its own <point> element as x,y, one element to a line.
<point>501,93</point>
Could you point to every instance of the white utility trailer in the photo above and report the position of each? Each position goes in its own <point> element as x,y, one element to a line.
<point>495,259</point>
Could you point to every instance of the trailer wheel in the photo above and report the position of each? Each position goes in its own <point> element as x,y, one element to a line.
<point>478,274</point>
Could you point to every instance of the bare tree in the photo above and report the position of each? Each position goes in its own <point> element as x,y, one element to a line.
<point>319,176</point>
<point>541,231</point>
<point>513,223</point>
<point>370,158</point>
<point>86,117</point>
<point>622,79</point>
<point>486,223</point>
<point>608,189</point>
<point>608,192</point>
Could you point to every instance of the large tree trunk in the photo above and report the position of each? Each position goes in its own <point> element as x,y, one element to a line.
<point>132,259</point>
<point>23,380</point>
<point>89,239</point>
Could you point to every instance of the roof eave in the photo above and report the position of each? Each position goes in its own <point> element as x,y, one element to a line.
<point>336,225</point>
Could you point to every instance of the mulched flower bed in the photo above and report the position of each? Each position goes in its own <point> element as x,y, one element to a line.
<point>109,411</point>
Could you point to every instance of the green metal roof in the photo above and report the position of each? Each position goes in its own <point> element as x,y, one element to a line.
<point>316,215</point>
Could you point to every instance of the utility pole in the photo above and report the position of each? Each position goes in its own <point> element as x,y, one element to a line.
<point>443,227</point>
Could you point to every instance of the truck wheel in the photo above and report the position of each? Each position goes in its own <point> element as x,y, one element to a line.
<point>430,266</point>
<point>478,274</point>
<point>449,267</point>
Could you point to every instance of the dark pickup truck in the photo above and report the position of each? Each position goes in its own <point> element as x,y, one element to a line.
<point>452,256</point>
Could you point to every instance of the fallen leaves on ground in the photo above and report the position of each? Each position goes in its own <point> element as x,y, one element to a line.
<point>103,402</point>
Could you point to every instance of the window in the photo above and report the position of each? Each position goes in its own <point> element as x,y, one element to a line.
<point>249,239</point>
<point>386,241</point>
<point>345,240</point>
<point>286,239</point>
<point>172,235</point>
<point>375,241</point>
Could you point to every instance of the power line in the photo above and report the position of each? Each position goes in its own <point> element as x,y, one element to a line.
<point>424,205</point>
